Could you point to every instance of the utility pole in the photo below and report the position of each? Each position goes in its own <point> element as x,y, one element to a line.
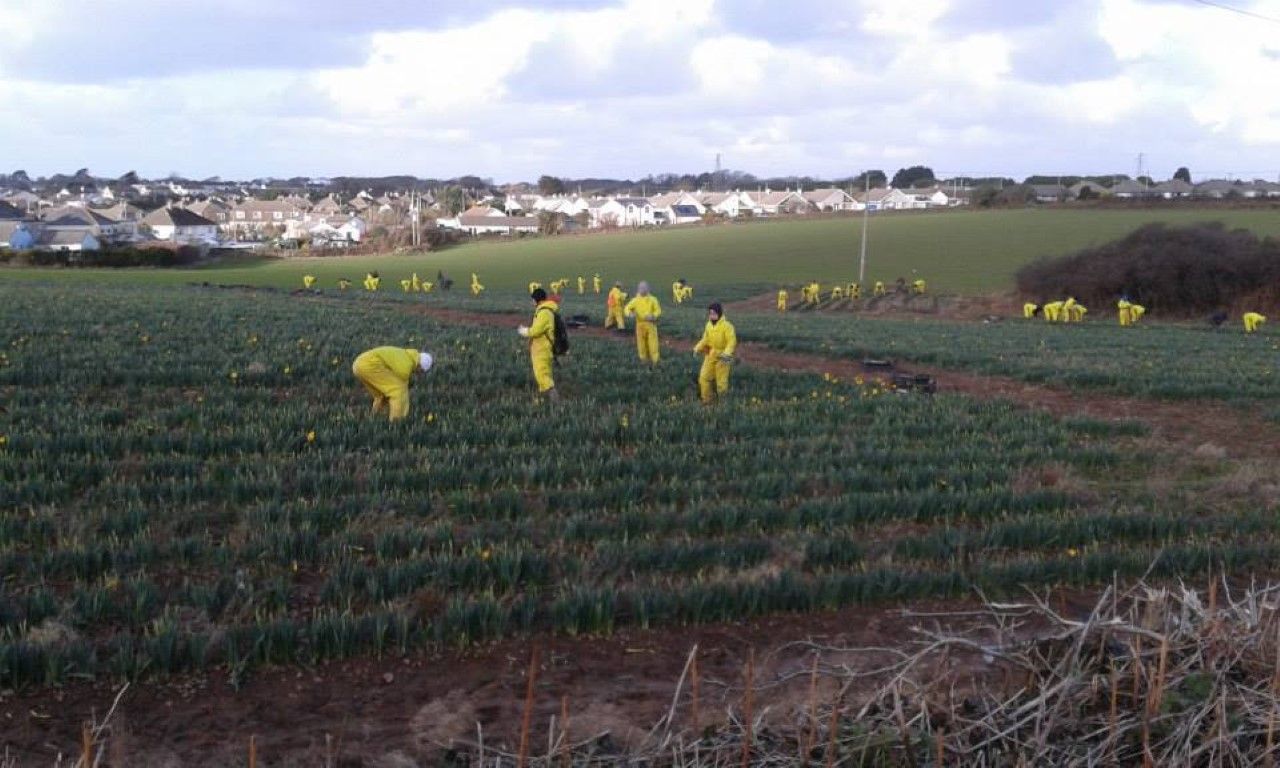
<point>866,207</point>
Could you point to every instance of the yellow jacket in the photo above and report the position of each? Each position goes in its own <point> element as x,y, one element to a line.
<point>401,362</point>
<point>643,306</point>
<point>543,326</point>
<point>616,297</point>
<point>717,338</point>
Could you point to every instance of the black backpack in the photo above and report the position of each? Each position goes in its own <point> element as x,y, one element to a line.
<point>560,334</point>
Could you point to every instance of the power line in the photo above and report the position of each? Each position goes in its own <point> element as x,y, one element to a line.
<point>1240,11</point>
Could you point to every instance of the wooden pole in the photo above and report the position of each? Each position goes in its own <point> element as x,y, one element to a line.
<point>523,758</point>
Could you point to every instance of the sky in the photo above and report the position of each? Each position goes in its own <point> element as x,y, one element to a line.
<point>512,89</point>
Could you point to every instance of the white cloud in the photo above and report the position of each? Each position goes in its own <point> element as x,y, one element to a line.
<point>649,86</point>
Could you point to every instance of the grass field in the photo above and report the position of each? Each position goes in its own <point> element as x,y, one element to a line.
<point>957,251</point>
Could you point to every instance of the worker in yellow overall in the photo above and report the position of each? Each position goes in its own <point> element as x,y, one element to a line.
<point>782,299</point>
<point>645,308</point>
<point>1252,321</point>
<point>540,335</point>
<point>613,308</point>
<point>718,343</point>
<point>385,374</point>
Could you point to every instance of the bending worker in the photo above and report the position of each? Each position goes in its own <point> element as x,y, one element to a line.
<point>613,308</point>
<point>385,373</point>
<point>646,310</point>
<point>540,334</point>
<point>718,343</point>
<point>1252,320</point>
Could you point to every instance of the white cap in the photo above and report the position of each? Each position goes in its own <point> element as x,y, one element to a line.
<point>425,360</point>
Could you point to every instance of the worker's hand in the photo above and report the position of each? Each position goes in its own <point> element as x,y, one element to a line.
<point>726,359</point>
<point>523,331</point>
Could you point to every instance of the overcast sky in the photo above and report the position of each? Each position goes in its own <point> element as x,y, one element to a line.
<point>511,89</point>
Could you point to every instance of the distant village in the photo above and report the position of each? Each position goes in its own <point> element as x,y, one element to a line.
<point>81,213</point>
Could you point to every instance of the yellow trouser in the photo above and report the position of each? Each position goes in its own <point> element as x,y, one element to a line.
<point>385,387</point>
<point>1251,325</point>
<point>714,371</point>
<point>615,318</point>
<point>540,356</point>
<point>647,341</point>
<point>782,305</point>
<point>1126,317</point>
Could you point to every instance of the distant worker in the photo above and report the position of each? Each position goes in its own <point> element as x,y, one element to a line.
<point>815,293</point>
<point>806,293</point>
<point>1077,313</point>
<point>541,334</point>
<point>1136,311</point>
<point>1066,312</point>
<point>855,291</point>
<point>837,293</point>
<point>782,299</point>
<point>686,290</point>
<point>719,342</point>
<point>1052,311</point>
<point>343,284</point>
<point>613,308</point>
<point>1123,312</point>
<point>595,282</point>
<point>406,285</point>
<point>878,288</point>
<point>385,373</point>
<point>918,287</point>
<point>415,284</point>
<point>308,281</point>
<point>677,291</point>
<point>582,285</point>
<point>533,286</point>
<point>371,281</point>
<point>1252,320</point>
<point>645,308</point>
<point>476,287</point>
<point>1030,309</point>
<point>427,286</point>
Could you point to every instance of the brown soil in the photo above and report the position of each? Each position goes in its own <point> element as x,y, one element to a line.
<point>399,712</point>
<point>364,712</point>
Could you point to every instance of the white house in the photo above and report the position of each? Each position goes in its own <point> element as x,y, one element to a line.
<point>774,203</point>
<point>830,199</point>
<point>637,211</point>
<point>181,226</point>
<point>883,199</point>
<point>664,206</point>
<point>483,220</point>
<point>724,203</point>
<point>928,197</point>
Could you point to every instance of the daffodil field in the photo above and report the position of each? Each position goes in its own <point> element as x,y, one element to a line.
<point>191,478</point>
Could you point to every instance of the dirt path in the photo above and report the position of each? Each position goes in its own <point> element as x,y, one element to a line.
<point>1184,424</point>
<point>365,712</point>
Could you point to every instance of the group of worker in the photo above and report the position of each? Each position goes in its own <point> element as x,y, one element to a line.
<point>1064,311</point>
<point>1128,313</point>
<point>717,346</point>
<point>385,371</point>
<point>811,292</point>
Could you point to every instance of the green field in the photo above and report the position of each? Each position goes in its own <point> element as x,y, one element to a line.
<point>189,478</point>
<point>956,251</point>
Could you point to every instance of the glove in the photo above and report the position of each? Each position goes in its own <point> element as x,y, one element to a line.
<point>727,359</point>
<point>523,331</point>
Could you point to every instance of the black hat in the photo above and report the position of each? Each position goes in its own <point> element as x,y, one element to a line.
<point>715,305</point>
<point>538,294</point>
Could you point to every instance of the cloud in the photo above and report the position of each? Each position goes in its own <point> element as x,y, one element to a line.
<point>512,89</point>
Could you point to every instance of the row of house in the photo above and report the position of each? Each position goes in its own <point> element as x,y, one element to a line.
<point>518,213</point>
<point>25,223</point>
<point>1174,189</point>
